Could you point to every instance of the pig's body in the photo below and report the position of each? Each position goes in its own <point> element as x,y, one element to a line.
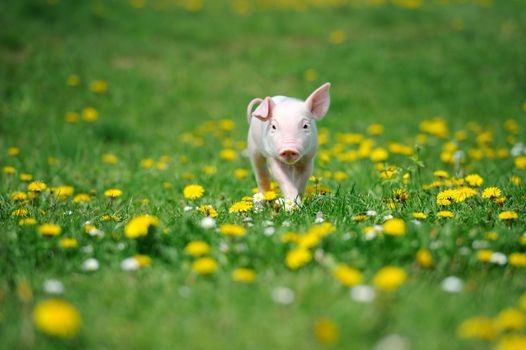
<point>283,135</point>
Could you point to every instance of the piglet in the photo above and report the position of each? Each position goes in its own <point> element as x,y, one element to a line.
<point>283,135</point>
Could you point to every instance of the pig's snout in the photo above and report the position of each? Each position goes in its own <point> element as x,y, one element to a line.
<point>289,154</point>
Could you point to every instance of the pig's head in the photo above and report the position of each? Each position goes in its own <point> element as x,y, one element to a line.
<point>290,124</point>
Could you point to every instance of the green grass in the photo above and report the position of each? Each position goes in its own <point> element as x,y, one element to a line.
<point>171,72</point>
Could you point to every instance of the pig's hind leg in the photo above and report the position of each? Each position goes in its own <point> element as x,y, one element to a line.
<point>259,164</point>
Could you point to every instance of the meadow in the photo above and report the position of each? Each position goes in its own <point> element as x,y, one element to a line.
<point>129,213</point>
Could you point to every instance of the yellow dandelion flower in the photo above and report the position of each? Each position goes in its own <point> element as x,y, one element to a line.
<point>478,328</point>
<point>110,158</point>
<point>20,212</point>
<point>375,129</point>
<point>445,214</point>
<point>228,154</point>
<point>244,275</point>
<point>510,319</point>
<point>491,192</point>
<point>18,196</point>
<point>419,216</point>
<point>337,37</point>
<point>27,222</point>
<point>379,155</point>
<point>441,173</point>
<point>9,170</point>
<point>297,258</point>
<point>508,215</point>
<point>389,278</point>
<point>98,86</point>
<point>241,207</point>
<point>140,225</point>
<point>474,180</point>
<point>484,255</point>
<point>26,177</point>
<point>515,180</point>
<point>90,114</point>
<point>310,74</point>
<point>359,217</point>
<point>240,173</point>
<point>73,80</point>
<point>49,230</point>
<point>395,227</point>
<point>511,342</point>
<point>348,276</point>
<point>143,260</point>
<point>197,248</point>
<point>204,266</point>
<point>57,318</point>
<point>520,162</point>
<point>68,243</point>
<point>322,230</point>
<point>326,331</point>
<point>208,210</point>
<point>232,230</point>
<point>113,193</point>
<point>424,258</point>
<point>36,186</point>
<point>517,259</point>
<point>270,195</point>
<point>193,191</point>
<point>81,198</point>
<point>62,192</point>
<point>71,117</point>
<point>13,151</point>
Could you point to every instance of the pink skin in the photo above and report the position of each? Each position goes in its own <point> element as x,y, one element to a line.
<point>283,134</point>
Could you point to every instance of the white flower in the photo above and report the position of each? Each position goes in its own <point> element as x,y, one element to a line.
<point>393,342</point>
<point>319,218</point>
<point>452,284</point>
<point>257,198</point>
<point>130,264</point>
<point>268,223</point>
<point>480,244</point>
<point>208,223</point>
<point>283,295</point>
<point>223,247</point>
<point>370,213</point>
<point>121,246</point>
<point>285,223</point>
<point>498,258</point>
<point>363,293</point>
<point>90,264</point>
<point>517,149</point>
<point>416,222</point>
<point>388,217</point>
<point>53,286</point>
<point>188,208</point>
<point>94,232</point>
<point>434,245</point>
<point>269,231</point>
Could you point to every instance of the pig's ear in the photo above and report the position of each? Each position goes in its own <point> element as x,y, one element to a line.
<point>318,102</point>
<point>264,110</point>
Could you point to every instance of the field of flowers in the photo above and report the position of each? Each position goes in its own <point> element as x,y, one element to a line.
<point>129,213</point>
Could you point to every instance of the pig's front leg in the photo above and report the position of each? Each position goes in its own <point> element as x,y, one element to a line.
<point>284,175</point>
<point>303,173</point>
<point>259,164</point>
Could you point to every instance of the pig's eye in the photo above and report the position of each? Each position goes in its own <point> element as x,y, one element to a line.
<point>305,126</point>
<point>273,127</point>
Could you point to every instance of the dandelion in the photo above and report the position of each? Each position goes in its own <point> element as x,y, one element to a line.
<point>297,258</point>
<point>474,180</point>
<point>20,212</point>
<point>517,259</point>
<point>26,177</point>
<point>389,278</point>
<point>140,225</point>
<point>27,222</point>
<point>478,328</point>
<point>241,207</point>
<point>36,186</point>
<point>81,198</point>
<point>424,258</point>
<point>491,192</point>
<point>193,191</point>
<point>326,331</point>
<point>441,173</point>
<point>510,319</point>
<point>359,218</point>
<point>110,158</point>
<point>445,214</point>
<point>73,80</point>
<point>49,230</point>
<point>18,196</point>
<point>394,227</point>
<point>244,275</point>
<point>62,192</point>
<point>13,151</point>
<point>228,154</point>
<point>270,196</point>
<point>232,230</point>
<point>68,243</point>
<point>511,342</point>
<point>208,210</point>
<point>508,215</point>
<point>57,318</point>
<point>113,193</point>
<point>204,266</point>
<point>520,162</point>
<point>348,276</point>
<point>240,173</point>
<point>142,260</point>
<point>9,170</point>
<point>515,180</point>
<point>71,117</point>
<point>98,86</point>
<point>197,248</point>
<point>337,37</point>
<point>90,114</point>
<point>419,216</point>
